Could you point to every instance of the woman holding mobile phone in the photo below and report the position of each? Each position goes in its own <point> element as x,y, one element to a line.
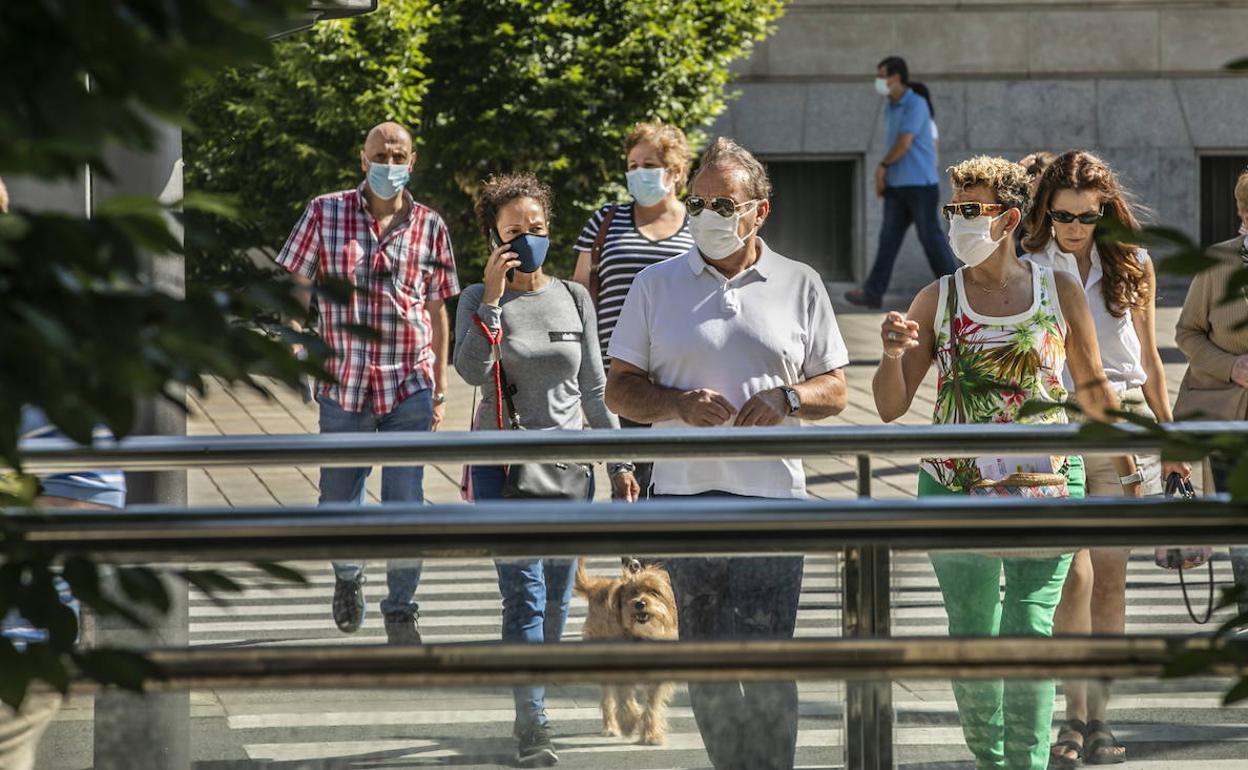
<point>543,332</point>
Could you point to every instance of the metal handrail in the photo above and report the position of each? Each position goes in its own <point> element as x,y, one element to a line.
<point>150,453</point>
<point>474,665</point>
<point>662,526</point>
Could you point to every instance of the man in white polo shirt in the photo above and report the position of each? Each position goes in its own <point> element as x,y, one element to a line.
<point>731,334</point>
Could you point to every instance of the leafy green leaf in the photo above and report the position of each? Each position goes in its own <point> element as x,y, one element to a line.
<point>281,572</point>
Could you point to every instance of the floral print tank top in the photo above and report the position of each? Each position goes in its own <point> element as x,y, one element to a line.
<point>1002,362</point>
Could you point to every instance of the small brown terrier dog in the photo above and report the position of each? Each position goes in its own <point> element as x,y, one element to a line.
<point>638,605</point>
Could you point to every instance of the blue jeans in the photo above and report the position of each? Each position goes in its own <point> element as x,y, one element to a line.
<point>744,725</point>
<point>398,484</point>
<point>904,206</point>
<point>536,594</point>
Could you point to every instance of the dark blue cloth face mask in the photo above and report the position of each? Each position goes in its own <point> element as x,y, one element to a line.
<point>531,250</point>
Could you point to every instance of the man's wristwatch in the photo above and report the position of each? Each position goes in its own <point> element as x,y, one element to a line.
<point>615,469</point>
<point>1134,478</point>
<point>791,398</point>
<point>439,399</point>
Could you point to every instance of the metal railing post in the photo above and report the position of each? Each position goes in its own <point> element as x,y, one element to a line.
<point>865,614</point>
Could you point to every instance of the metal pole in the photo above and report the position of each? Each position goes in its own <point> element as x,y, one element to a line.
<point>132,731</point>
<point>350,449</point>
<point>493,665</point>
<point>865,615</point>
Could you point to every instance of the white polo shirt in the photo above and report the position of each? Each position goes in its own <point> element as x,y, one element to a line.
<point>689,328</point>
<point>1120,345</point>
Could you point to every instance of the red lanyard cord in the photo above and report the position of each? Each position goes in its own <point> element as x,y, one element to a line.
<point>495,338</point>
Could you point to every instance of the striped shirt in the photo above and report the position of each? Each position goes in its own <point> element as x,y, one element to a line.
<point>625,253</point>
<point>395,275</point>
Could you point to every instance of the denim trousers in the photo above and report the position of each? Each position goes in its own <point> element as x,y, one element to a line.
<point>1005,722</point>
<point>744,725</point>
<point>904,206</point>
<point>536,594</point>
<point>398,484</point>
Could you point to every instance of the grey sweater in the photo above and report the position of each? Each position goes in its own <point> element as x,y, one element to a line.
<point>550,354</point>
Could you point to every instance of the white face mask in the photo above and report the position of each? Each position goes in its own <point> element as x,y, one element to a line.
<point>971,239</point>
<point>881,86</point>
<point>716,236</point>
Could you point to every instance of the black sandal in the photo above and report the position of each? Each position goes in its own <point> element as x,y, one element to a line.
<point>1107,743</point>
<point>1057,762</point>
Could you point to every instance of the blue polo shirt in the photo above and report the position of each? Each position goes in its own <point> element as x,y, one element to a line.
<point>917,168</point>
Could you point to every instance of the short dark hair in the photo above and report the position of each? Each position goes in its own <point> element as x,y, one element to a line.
<point>725,153</point>
<point>501,189</point>
<point>895,65</point>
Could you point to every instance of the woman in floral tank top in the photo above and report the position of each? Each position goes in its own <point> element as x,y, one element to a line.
<point>1001,333</point>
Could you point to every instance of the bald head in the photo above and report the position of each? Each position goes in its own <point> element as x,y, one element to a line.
<point>387,143</point>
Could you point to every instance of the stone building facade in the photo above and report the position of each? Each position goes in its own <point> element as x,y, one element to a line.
<point>1143,83</point>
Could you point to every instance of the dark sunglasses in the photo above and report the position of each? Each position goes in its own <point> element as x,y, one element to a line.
<point>971,210</point>
<point>723,205</point>
<point>1065,217</point>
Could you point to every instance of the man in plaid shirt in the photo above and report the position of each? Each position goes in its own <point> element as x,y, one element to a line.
<point>397,255</point>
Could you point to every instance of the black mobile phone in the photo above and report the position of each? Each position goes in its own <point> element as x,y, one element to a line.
<point>496,240</point>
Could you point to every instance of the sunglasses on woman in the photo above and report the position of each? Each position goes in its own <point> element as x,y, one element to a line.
<point>1065,217</point>
<point>971,210</point>
<point>723,205</point>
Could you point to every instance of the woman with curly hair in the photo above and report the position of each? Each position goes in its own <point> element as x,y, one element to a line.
<point>1075,193</point>
<point>1001,332</point>
<point>548,370</point>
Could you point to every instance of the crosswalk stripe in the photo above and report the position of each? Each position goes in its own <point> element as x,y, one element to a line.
<point>459,602</point>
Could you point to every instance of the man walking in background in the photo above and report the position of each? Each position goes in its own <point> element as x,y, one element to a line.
<point>908,181</point>
<point>397,256</point>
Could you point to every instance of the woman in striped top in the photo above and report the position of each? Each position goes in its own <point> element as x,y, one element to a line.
<point>650,229</point>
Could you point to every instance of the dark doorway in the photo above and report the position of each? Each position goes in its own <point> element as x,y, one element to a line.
<point>1218,220</point>
<point>813,214</point>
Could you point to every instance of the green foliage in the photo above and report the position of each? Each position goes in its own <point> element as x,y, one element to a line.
<point>275,136</point>
<point>85,332</point>
<point>547,86</point>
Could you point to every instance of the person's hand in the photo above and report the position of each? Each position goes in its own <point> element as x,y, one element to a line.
<point>439,413</point>
<point>703,408</point>
<point>624,487</point>
<point>1183,469</point>
<point>1135,489</point>
<point>1239,372</point>
<point>768,407</point>
<point>501,260</point>
<point>881,174</point>
<point>898,334</point>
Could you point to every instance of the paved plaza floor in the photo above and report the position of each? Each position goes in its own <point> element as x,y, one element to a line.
<point>1176,724</point>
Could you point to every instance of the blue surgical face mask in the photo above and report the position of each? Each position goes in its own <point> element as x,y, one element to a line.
<point>646,186</point>
<point>387,180</point>
<point>531,250</point>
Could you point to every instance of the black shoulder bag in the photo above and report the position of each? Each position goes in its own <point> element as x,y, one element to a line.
<point>541,481</point>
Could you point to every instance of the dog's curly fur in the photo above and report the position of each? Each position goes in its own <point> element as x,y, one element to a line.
<point>638,605</point>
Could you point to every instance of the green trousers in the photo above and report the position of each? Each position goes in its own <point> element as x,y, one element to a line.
<point>1006,723</point>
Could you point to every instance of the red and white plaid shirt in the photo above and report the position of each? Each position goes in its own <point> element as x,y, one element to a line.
<point>395,278</point>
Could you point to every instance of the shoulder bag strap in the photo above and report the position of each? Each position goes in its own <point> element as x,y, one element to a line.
<point>580,309</point>
<point>951,305</point>
<point>595,251</point>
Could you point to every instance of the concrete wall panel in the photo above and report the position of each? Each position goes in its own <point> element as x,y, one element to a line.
<point>842,117</point>
<point>1034,114</point>
<point>1140,113</point>
<point>1104,41</point>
